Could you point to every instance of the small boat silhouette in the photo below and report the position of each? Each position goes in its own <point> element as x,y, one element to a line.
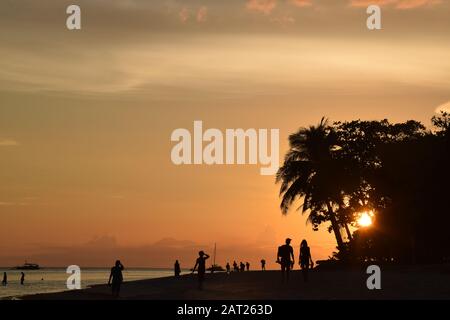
<point>215,267</point>
<point>28,266</point>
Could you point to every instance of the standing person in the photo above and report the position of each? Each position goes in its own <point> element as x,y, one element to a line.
<point>116,277</point>
<point>263,265</point>
<point>177,268</point>
<point>201,263</point>
<point>284,255</point>
<point>5,279</point>
<point>228,268</point>
<point>22,278</point>
<point>235,266</point>
<point>248,266</point>
<point>242,265</point>
<point>305,259</point>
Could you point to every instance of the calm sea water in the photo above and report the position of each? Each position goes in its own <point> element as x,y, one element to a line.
<point>54,279</point>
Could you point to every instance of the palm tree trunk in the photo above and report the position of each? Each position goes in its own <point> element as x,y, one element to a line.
<point>349,234</point>
<point>335,226</point>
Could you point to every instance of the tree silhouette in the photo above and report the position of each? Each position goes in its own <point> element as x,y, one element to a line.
<point>309,172</point>
<point>400,170</point>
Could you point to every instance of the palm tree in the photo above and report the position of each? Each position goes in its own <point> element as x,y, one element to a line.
<point>310,171</point>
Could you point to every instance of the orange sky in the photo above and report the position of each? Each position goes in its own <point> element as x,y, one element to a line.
<point>86,117</point>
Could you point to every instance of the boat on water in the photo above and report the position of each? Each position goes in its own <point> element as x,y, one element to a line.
<point>215,267</point>
<point>28,266</point>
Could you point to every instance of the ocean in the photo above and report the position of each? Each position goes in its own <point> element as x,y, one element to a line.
<point>54,279</point>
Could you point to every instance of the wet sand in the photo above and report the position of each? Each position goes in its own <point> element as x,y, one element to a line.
<point>425,282</point>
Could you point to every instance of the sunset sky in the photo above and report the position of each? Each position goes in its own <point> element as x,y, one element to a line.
<point>86,117</point>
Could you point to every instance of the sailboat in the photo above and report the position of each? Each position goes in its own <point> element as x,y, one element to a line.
<point>215,267</point>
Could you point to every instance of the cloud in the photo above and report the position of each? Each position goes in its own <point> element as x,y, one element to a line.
<point>445,107</point>
<point>174,243</point>
<point>366,3</point>
<point>283,20</point>
<point>263,6</point>
<point>411,4</point>
<point>102,242</point>
<point>301,3</point>
<point>202,14</point>
<point>267,6</point>
<point>184,15</point>
<point>398,4</point>
<point>104,250</point>
<point>8,143</point>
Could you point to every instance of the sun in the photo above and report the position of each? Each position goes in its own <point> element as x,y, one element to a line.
<point>365,219</point>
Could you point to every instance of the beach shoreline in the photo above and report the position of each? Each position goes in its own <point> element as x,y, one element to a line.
<point>397,283</point>
<point>54,279</point>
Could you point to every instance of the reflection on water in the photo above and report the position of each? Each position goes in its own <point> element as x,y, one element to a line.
<point>54,279</point>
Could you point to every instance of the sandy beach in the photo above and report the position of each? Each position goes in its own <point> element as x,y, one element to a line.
<point>419,282</point>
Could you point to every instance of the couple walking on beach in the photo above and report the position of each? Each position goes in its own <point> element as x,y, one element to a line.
<point>285,257</point>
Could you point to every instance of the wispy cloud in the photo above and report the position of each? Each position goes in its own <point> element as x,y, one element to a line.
<point>365,3</point>
<point>283,20</point>
<point>202,14</point>
<point>398,4</point>
<point>267,6</point>
<point>8,142</point>
<point>411,4</point>
<point>301,3</point>
<point>184,15</point>
<point>263,6</point>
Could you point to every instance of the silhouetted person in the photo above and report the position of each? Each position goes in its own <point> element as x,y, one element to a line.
<point>5,279</point>
<point>247,265</point>
<point>177,269</point>
<point>305,259</point>
<point>201,263</point>
<point>22,278</point>
<point>228,268</point>
<point>116,277</point>
<point>284,255</point>
<point>242,265</point>
<point>235,266</point>
<point>263,264</point>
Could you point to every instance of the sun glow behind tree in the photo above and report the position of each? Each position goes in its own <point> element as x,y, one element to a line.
<point>365,219</point>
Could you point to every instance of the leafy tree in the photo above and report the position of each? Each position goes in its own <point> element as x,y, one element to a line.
<point>309,171</point>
